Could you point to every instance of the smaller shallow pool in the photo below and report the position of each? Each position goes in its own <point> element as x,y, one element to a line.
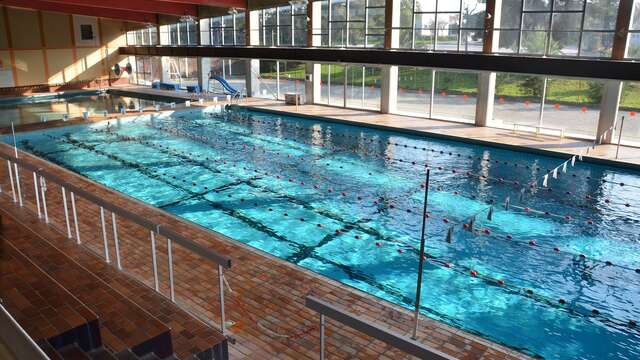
<point>38,108</point>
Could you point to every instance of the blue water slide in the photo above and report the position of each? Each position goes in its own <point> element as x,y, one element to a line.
<point>226,85</point>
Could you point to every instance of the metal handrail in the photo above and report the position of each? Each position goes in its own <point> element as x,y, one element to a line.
<point>392,338</point>
<point>12,334</point>
<point>39,177</point>
<point>189,244</point>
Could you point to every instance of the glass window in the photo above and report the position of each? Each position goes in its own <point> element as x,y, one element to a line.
<point>455,96</point>
<point>227,30</point>
<point>363,87</point>
<point>572,105</point>
<point>283,26</point>
<point>351,23</point>
<point>233,71</point>
<point>517,100</point>
<point>290,78</point>
<point>332,85</point>
<point>563,28</point>
<point>145,36</point>
<point>441,25</point>
<point>629,109</point>
<point>633,39</point>
<point>414,91</point>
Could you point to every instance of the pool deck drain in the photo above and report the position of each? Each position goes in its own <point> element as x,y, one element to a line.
<point>266,303</point>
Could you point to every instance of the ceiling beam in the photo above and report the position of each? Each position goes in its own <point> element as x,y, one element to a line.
<point>133,16</point>
<point>148,6</point>
<point>238,4</point>
<point>566,67</point>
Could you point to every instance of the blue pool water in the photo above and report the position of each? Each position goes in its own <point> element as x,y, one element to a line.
<point>346,202</point>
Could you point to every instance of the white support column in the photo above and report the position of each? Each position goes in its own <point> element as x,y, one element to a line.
<point>389,89</point>
<point>611,94</point>
<point>309,83</point>
<point>252,71</point>
<point>485,100</point>
<point>204,66</point>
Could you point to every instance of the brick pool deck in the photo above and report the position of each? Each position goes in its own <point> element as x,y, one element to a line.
<point>266,300</point>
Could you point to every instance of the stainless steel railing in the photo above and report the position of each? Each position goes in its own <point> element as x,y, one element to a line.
<point>41,177</point>
<point>12,334</point>
<point>390,337</point>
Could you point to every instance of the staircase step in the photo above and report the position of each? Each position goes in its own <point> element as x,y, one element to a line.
<point>101,354</point>
<point>123,324</point>
<point>47,311</point>
<point>73,352</point>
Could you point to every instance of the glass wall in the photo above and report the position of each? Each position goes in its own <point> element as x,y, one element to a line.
<point>145,36</point>
<point>183,33</point>
<point>232,70</point>
<point>351,23</point>
<point>182,71</point>
<point>414,91</point>
<point>556,27</point>
<point>278,78</point>
<point>455,96</point>
<point>633,41</point>
<point>629,109</point>
<point>283,25</point>
<point>332,84</point>
<point>290,78</point>
<point>551,104</point>
<point>227,30</point>
<point>353,86</point>
<point>146,69</point>
<point>441,25</point>
<point>518,100</point>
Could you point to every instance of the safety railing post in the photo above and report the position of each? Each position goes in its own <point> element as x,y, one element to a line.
<point>104,236</point>
<point>66,211</point>
<point>170,260</point>
<point>321,337</point>
<point>43,189</point>
<point>18,187</point>
<point>156,283</point>
<point>37,193</point>
<point>13,188</point>
<point>221,285</point>
<point>114,223</point>
<point>75,217</point>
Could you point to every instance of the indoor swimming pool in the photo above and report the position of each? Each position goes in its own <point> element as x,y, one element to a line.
<point>550,271</point>
<point>40,108</point>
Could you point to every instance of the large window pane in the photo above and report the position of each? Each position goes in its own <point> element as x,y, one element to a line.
<point>573,105</point>
<point>455,96</point>
<point>597,44</point>
<point>517,100</point>
<point>268,83</point>
<point>629,109</point>
<point>291,78</point>
<point>414,91</point>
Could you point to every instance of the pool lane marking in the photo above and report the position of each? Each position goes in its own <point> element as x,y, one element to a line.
<point>263,228</point>
<point>191,160</point>
<point>560,216</point>
<point>493,180</point>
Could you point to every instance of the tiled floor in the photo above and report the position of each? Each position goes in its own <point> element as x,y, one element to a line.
<point>43,307</point>
<point>486,135</point>
<point>130,313</point>
<point>265,299</point>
